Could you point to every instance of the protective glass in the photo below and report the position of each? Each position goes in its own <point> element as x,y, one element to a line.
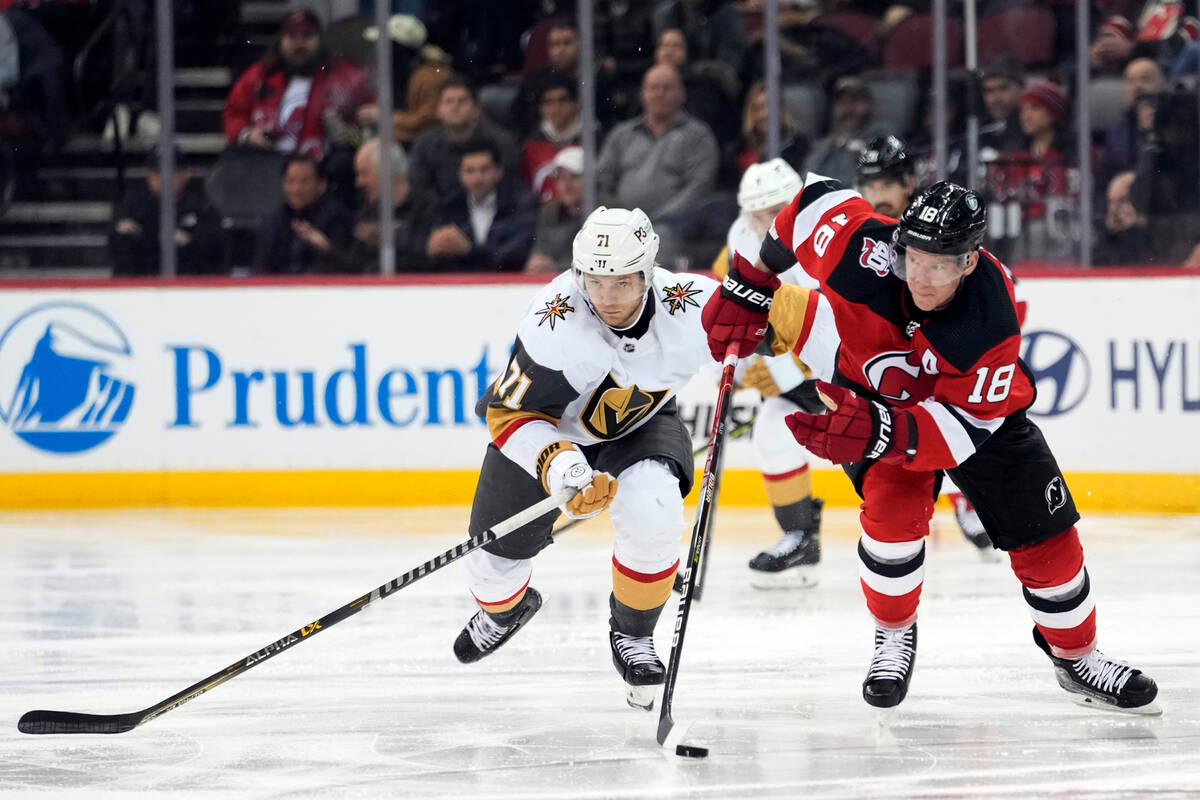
<point>928,269</point>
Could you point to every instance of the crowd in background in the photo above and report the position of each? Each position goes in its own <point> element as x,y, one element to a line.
<point>485,158</point>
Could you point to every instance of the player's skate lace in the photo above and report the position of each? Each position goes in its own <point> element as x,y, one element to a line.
<point>1106,674</point>
<point>786,545</point>
<point>893,654</point>
<point>635,649</point>
<point>484,632</point>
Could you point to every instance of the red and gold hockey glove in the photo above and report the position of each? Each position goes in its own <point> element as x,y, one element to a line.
<point>738,313</point>
<point>855,429</point>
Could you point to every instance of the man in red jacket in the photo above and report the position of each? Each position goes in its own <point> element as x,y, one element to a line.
<point>929,378</point>
<point>296,99</point>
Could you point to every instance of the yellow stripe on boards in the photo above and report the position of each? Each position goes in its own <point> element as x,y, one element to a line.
<point>1093,491</point>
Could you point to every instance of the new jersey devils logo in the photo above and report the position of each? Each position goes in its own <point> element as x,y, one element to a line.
<point>876,256</point>
<point>1056,494</point>
<point>898,376</point>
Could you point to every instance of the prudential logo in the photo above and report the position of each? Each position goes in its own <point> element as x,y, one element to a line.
<point>60,385</point>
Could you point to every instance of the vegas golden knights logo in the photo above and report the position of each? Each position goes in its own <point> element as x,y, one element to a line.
<point>613,410</point>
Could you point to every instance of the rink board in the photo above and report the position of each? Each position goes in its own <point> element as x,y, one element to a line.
<point>337,393</point>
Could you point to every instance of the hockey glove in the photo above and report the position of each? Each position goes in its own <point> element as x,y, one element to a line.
<point>560,464</point>
<point>806,396</point>
<point>738,313</point>
<point>855,429</point>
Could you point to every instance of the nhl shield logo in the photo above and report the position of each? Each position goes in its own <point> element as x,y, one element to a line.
<point>1056,494</point>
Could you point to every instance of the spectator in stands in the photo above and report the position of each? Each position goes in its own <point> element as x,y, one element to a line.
<point>562,62</point>
<point>1166,189</point>
<point>418,71</point>
<point>1144,82</point>
<point>1125,238</point>
<point>412,215</point>
<point>559,220</point>
<point>711,86</point>
<point>714,30</point>
<point>625,39</point>
<point>34,119</point>
<point>663,162</point>
<point>134,243</point>
<point>488,223</point>
<point>850,125</point>
<point>297,100</point>
<point>433,161</point>
<point>1112,46</point>
<point>560,127</point>
<point>1003,82</point>
<point>309,230</point>
<point>753,144</point>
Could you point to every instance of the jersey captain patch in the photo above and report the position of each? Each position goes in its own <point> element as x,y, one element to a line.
<point>613,410</point>
<point>679,297</point>
<point>555,309</point>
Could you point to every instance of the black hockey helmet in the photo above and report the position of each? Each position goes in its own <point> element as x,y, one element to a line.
<point>945,219</point>
<point>884,157</point>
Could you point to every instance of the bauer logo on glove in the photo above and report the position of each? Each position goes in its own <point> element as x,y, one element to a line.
<point>855,429</point>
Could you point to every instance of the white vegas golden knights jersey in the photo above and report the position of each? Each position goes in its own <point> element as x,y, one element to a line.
<point>572,377</point>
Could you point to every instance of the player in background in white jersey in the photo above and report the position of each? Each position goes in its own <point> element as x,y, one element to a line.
<point>886,178</point>
<point>587,401</point>
<point>763,192</point>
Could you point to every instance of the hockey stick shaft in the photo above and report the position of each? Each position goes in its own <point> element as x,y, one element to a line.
<point>40,721</point>
<point>708,493</point>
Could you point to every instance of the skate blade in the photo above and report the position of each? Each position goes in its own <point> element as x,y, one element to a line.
<point>793,578</point>
<point>1151,709</point>
<point>641,697</point>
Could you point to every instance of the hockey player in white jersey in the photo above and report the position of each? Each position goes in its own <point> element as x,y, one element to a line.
<point>764,191</point>
<point>587,401</point>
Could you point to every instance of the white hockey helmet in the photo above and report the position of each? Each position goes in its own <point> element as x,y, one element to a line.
<point>768,184</point>
<point>615,241</point>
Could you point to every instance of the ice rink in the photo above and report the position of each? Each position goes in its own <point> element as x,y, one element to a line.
<point>110,612</point>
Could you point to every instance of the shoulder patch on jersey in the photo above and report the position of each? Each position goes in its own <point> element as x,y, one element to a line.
<point>679,296</point>
<point>554,310</point>
<point>876,256</point>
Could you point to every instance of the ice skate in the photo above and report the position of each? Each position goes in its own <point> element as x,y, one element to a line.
<point>891,666</point>
<point>639,666</point>
<point>972,528</point>
<point>789,563</point>
<point>1102,682</point>
<point>485,632</point>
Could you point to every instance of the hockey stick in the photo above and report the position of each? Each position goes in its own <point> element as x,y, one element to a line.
<point>708,493</point>
<point>74,722</point>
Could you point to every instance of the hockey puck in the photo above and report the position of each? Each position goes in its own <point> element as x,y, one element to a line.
<point>691,751</point>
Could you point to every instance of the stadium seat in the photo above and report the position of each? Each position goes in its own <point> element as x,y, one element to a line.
<point>496,100</point>
<point>862,28</point>
<point>896,99</point>
<point>1106,101</point>
<point>806,103</point>
<point>910,44</point>
<point>1024,33</point>
<point>245,185</point>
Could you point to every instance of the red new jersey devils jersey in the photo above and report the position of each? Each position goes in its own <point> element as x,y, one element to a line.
<point>957,370</point>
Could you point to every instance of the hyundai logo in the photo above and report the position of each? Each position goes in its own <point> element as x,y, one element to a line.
<point>61,390</point>
<point>1061,372</point>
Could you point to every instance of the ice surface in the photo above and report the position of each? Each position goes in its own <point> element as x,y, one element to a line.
<point>110,612</point>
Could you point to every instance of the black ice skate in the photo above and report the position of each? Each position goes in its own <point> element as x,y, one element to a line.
<point>1103,682</point>
<point>638,665</point>
<point>787,563</point>
<point>485,632</point>
<point>891,666</point>
<point>972,528</point>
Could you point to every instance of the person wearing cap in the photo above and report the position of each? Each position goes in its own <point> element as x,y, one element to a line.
<point>560,128</point>
<point>296,99</point>
<point>412,215</point>
<point>1002,84</point>
<point>133,241</point>
<point>851,123</point>
<point>1113,44</point>
<point>559,219</point>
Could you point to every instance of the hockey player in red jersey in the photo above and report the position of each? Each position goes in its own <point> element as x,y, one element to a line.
<point>929,378</point>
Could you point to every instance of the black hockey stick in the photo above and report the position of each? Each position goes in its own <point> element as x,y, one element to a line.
<point>74,722</point>
<point>708,494</point>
